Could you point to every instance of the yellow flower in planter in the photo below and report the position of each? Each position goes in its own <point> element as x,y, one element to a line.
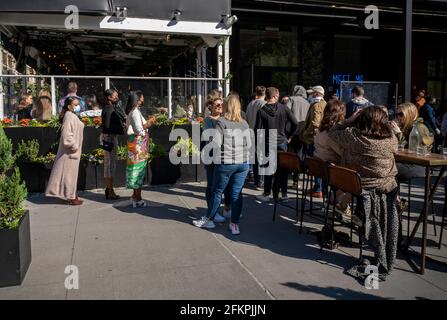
<point>188,145</point>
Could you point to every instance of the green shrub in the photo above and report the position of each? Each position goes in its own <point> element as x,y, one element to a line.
<point>12,189</point>
<point>122,152</point>
<point>155,150</point>
<point>28,150</point>
<point>6,157</point>
<point>12,194</point>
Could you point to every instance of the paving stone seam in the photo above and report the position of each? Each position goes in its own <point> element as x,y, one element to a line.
<point>264,288</point>
<point>74,244</point>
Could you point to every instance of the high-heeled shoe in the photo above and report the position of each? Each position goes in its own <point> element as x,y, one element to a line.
<point>111,195</point>
<point>75,202</point>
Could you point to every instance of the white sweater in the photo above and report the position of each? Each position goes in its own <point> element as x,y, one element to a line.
<point>135,122</point>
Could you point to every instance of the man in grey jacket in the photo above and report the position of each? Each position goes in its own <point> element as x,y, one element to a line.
<point>298,104</point>
<point>252,111</point>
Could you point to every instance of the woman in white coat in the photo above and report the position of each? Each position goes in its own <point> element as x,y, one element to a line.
<point>64,175</point>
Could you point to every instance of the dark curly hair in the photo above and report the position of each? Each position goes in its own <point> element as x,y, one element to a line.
<point>334,113</point>
<point>373,123</point>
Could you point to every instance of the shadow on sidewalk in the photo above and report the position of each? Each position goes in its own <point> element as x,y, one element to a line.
<point>334,292</point>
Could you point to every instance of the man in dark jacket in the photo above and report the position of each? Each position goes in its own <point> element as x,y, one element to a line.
<point>274,115</point>
<point>252,111</point>
<point>357,102</point>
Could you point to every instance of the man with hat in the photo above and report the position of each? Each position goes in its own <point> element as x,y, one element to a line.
<point>311,127</point>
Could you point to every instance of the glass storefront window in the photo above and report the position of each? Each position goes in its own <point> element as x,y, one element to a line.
<point>313,62</point>
<point>269,47</point>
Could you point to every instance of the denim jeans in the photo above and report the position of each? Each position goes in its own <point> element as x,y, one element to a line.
<point>282,182</point>
<point>318,187</point>
<point>209,186</point>
<point>233,176</point>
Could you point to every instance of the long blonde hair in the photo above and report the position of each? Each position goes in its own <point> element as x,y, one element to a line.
<point>232,108</point>
<point>411,113</point>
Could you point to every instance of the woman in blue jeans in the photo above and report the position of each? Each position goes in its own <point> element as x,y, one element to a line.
<point>231,165</point>
<point>215,106</point>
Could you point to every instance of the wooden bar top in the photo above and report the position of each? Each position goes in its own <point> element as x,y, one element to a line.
<point>410,157</point>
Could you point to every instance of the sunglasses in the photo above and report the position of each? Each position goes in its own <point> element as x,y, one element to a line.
<point>399,114</point>
<point>218,105</point>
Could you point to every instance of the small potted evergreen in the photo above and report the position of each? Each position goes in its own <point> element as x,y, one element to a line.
<point>15,236</point>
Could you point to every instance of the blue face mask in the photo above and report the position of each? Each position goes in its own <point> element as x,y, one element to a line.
<point>77,109</point>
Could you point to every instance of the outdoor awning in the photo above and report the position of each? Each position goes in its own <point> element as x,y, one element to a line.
<point>194,17</point>
<point>191,10</point>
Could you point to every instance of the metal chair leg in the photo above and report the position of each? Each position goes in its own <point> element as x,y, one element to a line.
<point>442,224</point>
<point>274,209</point>
<point>311,210</point>
<point>326,217</point>
<point>361,243</point>
<point>352,224</point>
<point>333,222</point>
<point>303,203</point>
<point>434,218</point>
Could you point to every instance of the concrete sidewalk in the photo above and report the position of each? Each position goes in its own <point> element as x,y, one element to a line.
<point>156,253</point>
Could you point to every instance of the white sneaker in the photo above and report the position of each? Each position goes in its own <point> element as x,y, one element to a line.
<point>234,228</point>
<point>204,222</point>
<point>283,199</point>
<point>140,203</point>
<point>226,213</point>
<point>219,219</point>
<point>263,198</point>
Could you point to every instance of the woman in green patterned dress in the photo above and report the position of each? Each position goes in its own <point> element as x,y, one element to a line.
<point>137,146</point>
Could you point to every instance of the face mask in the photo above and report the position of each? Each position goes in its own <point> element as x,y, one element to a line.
<point>314,99</point>
<point>77,109</point>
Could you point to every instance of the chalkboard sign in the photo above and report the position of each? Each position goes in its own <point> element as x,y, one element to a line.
<point>379,93</point>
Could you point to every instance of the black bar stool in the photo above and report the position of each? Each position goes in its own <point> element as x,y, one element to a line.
<point>348,181</point>
<point>318,168</point>
<point>290,163</point>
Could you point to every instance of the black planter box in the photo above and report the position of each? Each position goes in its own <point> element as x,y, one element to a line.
<point>90,140</point>
<point>15,253</point>
<point>162,171</point>
<point>160,134</point>
<point>201,172</point>
<point>119,179</point>
<point>86,175</point>
<point>99,174</point>
<point>188,173</point>
<point>35,175</point>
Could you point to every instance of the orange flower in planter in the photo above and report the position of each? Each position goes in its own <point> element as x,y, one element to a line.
<point>86,121</point>
<point>7,122</point>
<point>97,121</point>
<point>24,122</point>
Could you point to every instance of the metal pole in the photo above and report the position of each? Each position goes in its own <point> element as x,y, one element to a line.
<point>408,48</point>
<point>107,83</point>
<point>198,82</point>
<point>170,98</point>
<point>53,95</point>
<point>227,65</point>
<point>220,65</point>
<point>204,83</point>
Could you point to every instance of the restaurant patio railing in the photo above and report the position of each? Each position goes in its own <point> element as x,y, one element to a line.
<point>172,93</point>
